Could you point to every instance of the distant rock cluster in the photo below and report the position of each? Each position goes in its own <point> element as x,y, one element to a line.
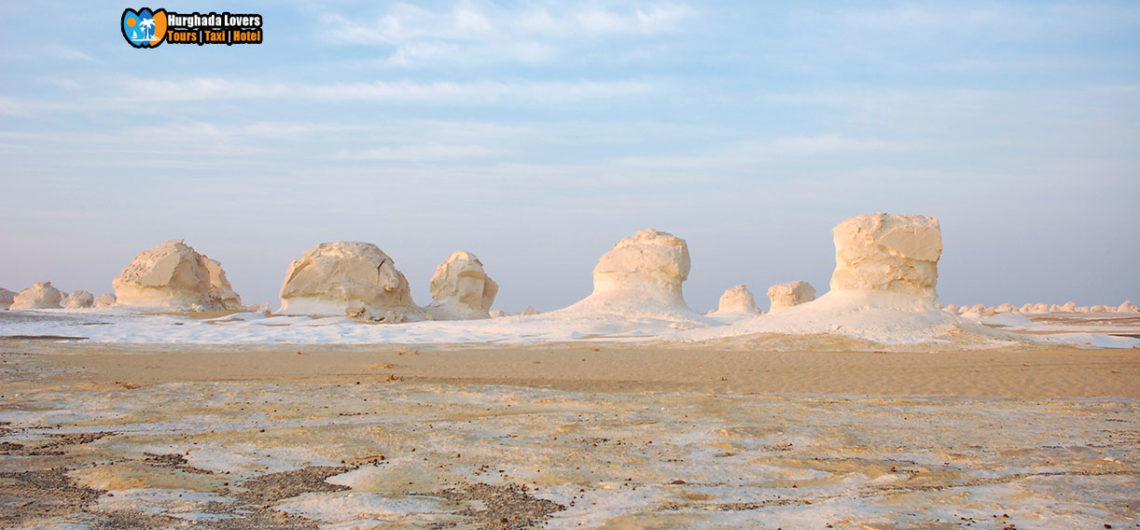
<point>982,310</point>
<point>641,276</point>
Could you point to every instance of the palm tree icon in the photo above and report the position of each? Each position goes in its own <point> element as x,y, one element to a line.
<point>148,28</point>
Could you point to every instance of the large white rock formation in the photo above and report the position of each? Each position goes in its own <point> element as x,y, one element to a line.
<point>640,276</point>
<point>79,300</point>
<point>784,295</point>
<point>41,295</point>
<point>736,300</point>
<point>348,277</point>
<point>6,298</point>
<point>461,289</point>
<point>887,252</point>
<point>173,276</point>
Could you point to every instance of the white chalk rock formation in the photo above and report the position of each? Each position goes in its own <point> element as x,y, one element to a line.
<point>173,276</point>
<point>105,300</point>
<point>648,266</point>
<point>6,298</point>
<point>785,295</point>
<point>640,277</point>
<point>736,300</point>
<point>461,289</point>
<point>1127,307</point>
<point>888,253</point>
<point>348,277</point>
<point>41,295</point>
<point>79,300</point>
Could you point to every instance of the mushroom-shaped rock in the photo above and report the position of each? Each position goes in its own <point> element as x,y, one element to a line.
<point>888,252</point>
<point>173,276</point>
<point>6,298</point>
<point>648,264</point>
<point>105,300</point>
<point>41,295</point>
<point>79,299</point>
<point>785,295</point>
<point>736,300</point>
<point>641,276</point>
<point>348,277</point>
<point>461,289</point>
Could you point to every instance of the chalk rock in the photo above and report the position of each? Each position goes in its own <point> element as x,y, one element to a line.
<point>461,289</point>
<point>497,313</point>
<point>40,295</point>
<point>105,300</point>
<point>640,277</point>
<point>331,279</point>
<point>6,298</point>
<point>736,300</point>
<point>785,295</point>
<point>530,311</point>
<point>648,265</point>
<point>173,276</point>
<point>79,299</point>
<point>1127,306</point>
<point>888,252</point>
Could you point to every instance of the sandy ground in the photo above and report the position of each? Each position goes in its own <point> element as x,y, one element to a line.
<point>747,433</point>
<point>750,366</point>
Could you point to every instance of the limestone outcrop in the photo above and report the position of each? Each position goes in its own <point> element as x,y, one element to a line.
<point>461,289</point>
<point>348,278</point>
<point>784,295</point>
<point>173,276</point>
<point>888,252</point>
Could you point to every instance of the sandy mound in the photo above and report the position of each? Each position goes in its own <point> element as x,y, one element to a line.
<point>879,316</point>
<point>41,295</point>
<point>640,277</point>
<point>784,295</point>
<point>888,252</point>
<point>461,289</point>
<point>105,300</point>
<point>173,276</point>
<point>348,277</point>
<point>736,300</point>
<point>79,300</point>
<point>6,298</point>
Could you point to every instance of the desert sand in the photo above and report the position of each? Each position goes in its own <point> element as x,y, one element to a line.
<point>768,431</point>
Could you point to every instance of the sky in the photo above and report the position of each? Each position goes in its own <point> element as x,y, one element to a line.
<point>538,134</point>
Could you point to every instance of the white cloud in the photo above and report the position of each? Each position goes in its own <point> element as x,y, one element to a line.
<point>427,153</point>
<point>468,32</point>
<point>199,89</point>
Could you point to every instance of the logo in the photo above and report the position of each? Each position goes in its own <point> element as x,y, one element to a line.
<point>148,29</point>
<point>143,28</point>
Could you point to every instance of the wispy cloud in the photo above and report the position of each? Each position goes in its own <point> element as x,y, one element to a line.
<point>484,32</point>
<point>197,89</point>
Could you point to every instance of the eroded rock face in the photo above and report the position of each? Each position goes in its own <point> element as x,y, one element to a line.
<point>6,298</point>
<point>461,289</point>
<point>784,295</point>
<point>889,253</point>
<point>41,295</point>
<point>79,300</point>
<point>348,277</point>
<point>737,300</point>
<point>648,264</point>
<point>105,300</point>
<point>173,276</point>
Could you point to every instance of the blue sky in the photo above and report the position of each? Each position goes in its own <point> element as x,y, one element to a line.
<point>537,134</point>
